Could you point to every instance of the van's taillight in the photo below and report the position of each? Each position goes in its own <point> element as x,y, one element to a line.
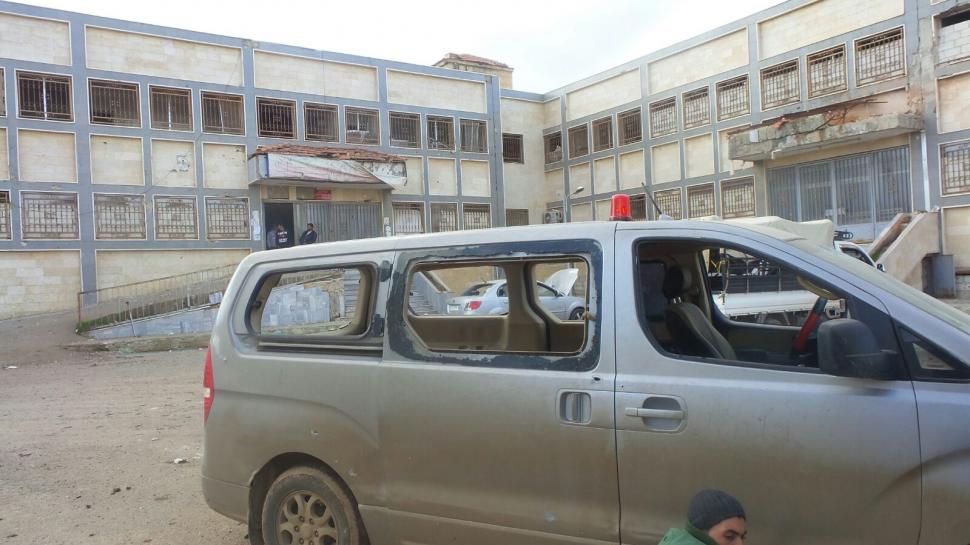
<point>208,387</point>
<point>473,305</point>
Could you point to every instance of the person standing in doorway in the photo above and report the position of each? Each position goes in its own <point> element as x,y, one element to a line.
<point>309,236</point>
<point>713,518</point>
<point>283,239</point>
<point>271,243</point>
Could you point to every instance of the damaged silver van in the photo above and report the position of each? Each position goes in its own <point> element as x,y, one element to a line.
<point>346,405</point>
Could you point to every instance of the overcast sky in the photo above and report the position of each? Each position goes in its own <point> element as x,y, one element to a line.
<point>548,43</point>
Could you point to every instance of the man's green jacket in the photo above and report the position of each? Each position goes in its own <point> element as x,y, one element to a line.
<point>687,536</point>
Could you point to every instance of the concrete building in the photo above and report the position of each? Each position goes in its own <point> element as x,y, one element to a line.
<point>129,151</point>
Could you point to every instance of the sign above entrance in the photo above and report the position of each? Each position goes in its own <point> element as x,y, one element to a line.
<point>322,195</point>
<point>336,171</point>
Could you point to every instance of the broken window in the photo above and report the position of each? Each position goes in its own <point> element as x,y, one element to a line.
<point>176,218</point>
<point>477,216</point>
<point>880,57</point>
<point>737,198</point>
<point>114,103</point>
<point>320,122</point>
<point>222,114</point>
<point>826,71</point>
<point>5,210</point>
<point>512,148</point>
<point>697,108</point>
<point>669,201</point>
<point>408,218</point>
<point>44,96</point>
<point>516,216</point>
<point>603,134</point>
<point>362,126</point>
<point>552,143</point>
<point>663,117</point>
<point>631,128</point>
<point>578,141</point>
<point>48,215</point>
<point>779,85</point>
<point>171,109</point>
<point>405,130</point>
<point>441,133</point>
<point>700,201</point>
<point>119,216</point>
<point>474,136</point>
<point>444,217</point>
<point>275,118</point>
<point>227,218</point>
<point>955,164</point>
<point>732,98</point>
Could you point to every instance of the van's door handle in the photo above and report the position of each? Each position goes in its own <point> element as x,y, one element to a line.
<point>640,412</point>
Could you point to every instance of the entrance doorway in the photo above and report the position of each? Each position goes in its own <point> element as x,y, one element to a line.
<point>279,214</point>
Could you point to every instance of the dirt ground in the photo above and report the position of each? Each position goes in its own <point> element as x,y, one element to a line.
<point>87,444</point>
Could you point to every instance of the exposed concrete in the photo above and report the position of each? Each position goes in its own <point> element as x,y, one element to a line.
<point>904,257</point>
<point>193,321</point>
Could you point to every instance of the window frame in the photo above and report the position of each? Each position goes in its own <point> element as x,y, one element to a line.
<point>121,86</point>
<point>3,92</point>
<point>859,80</point>
<point>908,338</point>
<point>506,157</point>
<point>547,139</point>
<point>595,128</point>
<point>222,98</point>
<point>475,207</point>
<point>730,84</point>
<point>242,202</point>
<point>178,91</point>
<point>133,196</point>
<point>69,80</point>
<point>155,216</point>
<point>658,107</point>
<point>6,219</point>
<point>813,59</point>
<point>282,103</point>
<point>25,195</point>
<point>687,99</point>
<point>773,71</point>
<point>624,140</point>
<point>436,120</point>
<point>371,112</point>
<point>408,205</point>
<point>321,107</point>
<point>482,128</point>
<point>577,129</point>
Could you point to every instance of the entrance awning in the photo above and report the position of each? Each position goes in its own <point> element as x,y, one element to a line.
<point>327,167</point>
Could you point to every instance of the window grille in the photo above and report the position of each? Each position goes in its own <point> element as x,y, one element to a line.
<point>955,161</point>
<point>697,108</point>
<point>737,198</point>
<point>114,103</point>
<point>631,130</point>
<point>700,201</point>
<point>779,85</point>
<point>880,57</point>
<point>222,114</point>
<point>49,215</point>
<point>732,98</point>
<point>176,218</point>
<point>3,95</point>
<point>171,108</point>
<point>477,216</point>
<point>226,218</point>
<point>119,216</point>
<point>552,144</point>
<point>441,133</point>
<point>663,117</point>
<point>5,210</point>
<point>405,130</point>
<point>669,201</point>
<point>444,217</point>
<point>516,216</point>
<point>638,207</point>
<point>408,218</point>
<point>474,136</point>
<point>320,122</point>
<point>362,126</point>
<point>44,96</point>
<point>275,118</point>
<point>578,141</point>
<point>603,134</point>
<point>512,148</point>
<point>826,71</point>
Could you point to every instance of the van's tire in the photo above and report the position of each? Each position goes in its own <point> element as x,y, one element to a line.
<point>577,314</point>
<point>307,506</point>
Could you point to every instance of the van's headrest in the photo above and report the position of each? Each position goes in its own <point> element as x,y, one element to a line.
<point>676,282</point>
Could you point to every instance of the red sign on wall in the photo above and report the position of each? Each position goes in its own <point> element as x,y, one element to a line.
<point>322,195</point>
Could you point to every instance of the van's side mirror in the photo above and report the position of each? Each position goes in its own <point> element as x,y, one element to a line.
<point>848,348</point>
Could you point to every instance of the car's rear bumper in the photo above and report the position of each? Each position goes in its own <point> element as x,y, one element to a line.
<point>229,499</point>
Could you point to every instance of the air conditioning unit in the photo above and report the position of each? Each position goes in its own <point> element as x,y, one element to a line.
<point>552,216</point>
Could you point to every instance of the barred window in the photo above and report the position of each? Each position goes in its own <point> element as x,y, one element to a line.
<point>732,98</point>
<point>441,133</point>
<point>114,103</point>
<point>222,114</point>
<point>669,201</point>
<point>578,141</point>
<point>955,165</point>
<point>737,198</point>
<point>5,210</point>
<point>275,118</point>
<point>176,218</point>
<point>826,71</point>
<point>320,122</point>
<point>880,57</point>
<point>663,117</point>
<point>779,85</point>
<point>474,136</point>
<point>48,215</point>
<point>405,130</point>
<point>638,207</point>
<point>444,217</point>
<point>631,129</point>
<point>697,108</point>
<point>516,216</point>
<point>227,218</point>
<point>512,148</point>
<point>700,201</point>
<point>603,134</point>
<point>171,109</point>
<point>44,96</point>
<point>408,218</point>
<point>552,144</point>
<point>119,216</point>
<point>477,216</point>
<point>362,126</point>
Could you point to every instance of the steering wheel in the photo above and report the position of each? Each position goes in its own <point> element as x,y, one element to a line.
<point>800,342</point>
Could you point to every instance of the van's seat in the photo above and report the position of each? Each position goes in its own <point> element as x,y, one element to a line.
<point>692,331</point>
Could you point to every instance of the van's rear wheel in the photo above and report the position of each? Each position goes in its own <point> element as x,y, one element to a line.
<point>577,314</point>
<point>305,506</point>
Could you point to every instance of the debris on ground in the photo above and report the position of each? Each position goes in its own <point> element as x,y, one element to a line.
<point>180,461</point>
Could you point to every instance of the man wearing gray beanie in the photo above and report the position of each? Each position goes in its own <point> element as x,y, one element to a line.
<point>713,518</point>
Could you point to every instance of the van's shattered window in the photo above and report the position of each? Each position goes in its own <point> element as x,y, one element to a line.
<point>315,302</point>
